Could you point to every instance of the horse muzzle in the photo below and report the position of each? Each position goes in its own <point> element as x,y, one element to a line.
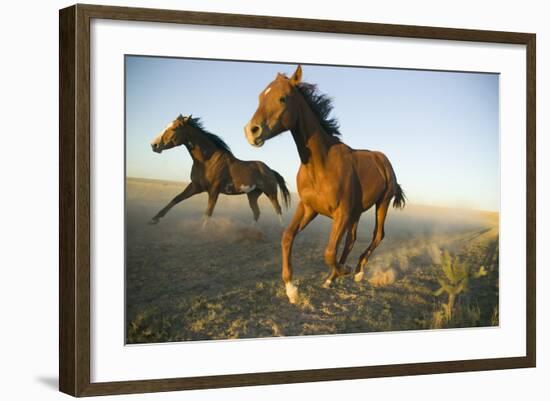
<point>255,134</point>
<point>157,148</point>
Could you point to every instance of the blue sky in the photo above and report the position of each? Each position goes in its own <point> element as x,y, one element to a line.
<point>440,130</point>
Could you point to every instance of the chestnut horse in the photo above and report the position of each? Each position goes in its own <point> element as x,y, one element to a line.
<point>217,171</point>
<point>333,180</point>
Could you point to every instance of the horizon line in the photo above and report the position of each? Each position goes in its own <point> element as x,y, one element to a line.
<point>295,194</point>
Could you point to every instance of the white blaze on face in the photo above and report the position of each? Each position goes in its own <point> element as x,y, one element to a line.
<point>247,188</point>
<point>158,138</point>
<point>267,91</point>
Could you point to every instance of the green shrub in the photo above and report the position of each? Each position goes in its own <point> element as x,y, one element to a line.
<point>454,280</point>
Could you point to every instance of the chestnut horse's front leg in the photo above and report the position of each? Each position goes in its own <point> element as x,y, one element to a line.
<point>350,241</point>
<point>302,217</point>
<point>339,227</point>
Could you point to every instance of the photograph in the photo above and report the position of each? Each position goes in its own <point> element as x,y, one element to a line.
<point>291,199</point>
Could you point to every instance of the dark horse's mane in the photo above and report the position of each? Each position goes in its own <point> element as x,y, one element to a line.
<point>218,142</point>
<point>321,105</point>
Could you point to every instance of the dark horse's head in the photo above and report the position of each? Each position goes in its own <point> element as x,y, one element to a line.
<point>277,110</point>
<point>173,135</point>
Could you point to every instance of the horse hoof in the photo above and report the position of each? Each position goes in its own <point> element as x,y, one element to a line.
<point>358,277</point>
<point>291,293</point>
<point>327,283</point>
<point>153,221</point>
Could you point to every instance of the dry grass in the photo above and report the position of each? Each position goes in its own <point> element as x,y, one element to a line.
<point>184,283</point>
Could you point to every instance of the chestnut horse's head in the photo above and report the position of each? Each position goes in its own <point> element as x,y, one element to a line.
<point>277,110</point>
<point>173,135</point>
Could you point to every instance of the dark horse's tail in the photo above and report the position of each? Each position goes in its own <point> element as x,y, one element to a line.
<point>399,199</point>
<point>285,194</point>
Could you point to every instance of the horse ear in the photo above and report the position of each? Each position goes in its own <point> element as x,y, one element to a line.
<point>297,76</point>
<point>188,118</point>
<point>180,117</point>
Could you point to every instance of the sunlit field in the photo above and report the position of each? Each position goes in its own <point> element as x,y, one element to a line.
<point>436,268</point>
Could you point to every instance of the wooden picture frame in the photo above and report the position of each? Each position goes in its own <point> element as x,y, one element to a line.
<point>74,199</point>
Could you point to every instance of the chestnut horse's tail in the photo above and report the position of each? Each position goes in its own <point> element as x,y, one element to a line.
<point>399,199</point>
<point>285,194</point>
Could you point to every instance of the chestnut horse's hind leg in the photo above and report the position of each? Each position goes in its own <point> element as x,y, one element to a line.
<point>253,202</point>
<point>302,217</point>
<point>378,235</point>
<point>189,191</point>
<point>339,227</point>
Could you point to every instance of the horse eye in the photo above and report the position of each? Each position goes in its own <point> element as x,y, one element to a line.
<point>282,100</point>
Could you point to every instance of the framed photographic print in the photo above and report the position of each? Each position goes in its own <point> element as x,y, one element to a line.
<point>250,200</point>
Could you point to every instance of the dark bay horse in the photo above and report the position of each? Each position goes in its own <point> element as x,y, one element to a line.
<point>333,180</point>
<point>217,171</point>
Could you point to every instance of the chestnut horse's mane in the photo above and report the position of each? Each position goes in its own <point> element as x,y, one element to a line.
<point>321,105</point>
<point>218,142</point>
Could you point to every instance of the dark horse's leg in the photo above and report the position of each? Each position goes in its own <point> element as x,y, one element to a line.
<point>377,237</point>
<point>253,202</point>
<point>302,217</point>
<point>340,225</point>
<point>350,241</point>
<point>212,199</point>
<point>276,205</point>
<point>189,191</point>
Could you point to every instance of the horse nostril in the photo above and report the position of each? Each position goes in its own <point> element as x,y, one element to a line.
<point>255,129</point>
